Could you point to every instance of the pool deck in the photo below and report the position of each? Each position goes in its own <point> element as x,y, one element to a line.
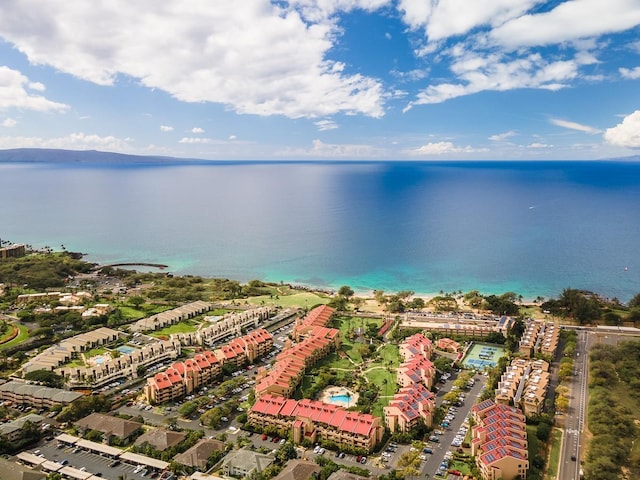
<point>329,392</point>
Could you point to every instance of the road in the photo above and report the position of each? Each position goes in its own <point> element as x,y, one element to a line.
<point>571,452</point>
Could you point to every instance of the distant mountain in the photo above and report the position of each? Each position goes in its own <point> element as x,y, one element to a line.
<point>46,155</point>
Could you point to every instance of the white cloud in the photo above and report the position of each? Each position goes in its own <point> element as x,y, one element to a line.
<point>632,73</point>
<point>232,138</point>
<point>320,149</point>
<point>568,21</point>
<point>501,137</point>
<point>574,126</point>
<point>197,130</point>
<point>538,145</point>
<point>14,93</point>
<point>318,10</point>
<point>194,140</point>
<point>73,141</point>
<point>479,73</point>
<point>324,125</point>
<point>442,148</point>
<point>9,122</point>
<point>259,58</point>
<point>166,128</point>
<point>625,134</point>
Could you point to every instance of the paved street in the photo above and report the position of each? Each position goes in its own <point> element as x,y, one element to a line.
<point>571,453</point>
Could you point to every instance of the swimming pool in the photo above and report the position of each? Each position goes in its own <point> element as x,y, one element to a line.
<point>126,349</point>
<point>342,398</point>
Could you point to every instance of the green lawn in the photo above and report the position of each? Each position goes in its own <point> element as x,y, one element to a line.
<point>462,467</point>
<point>180,327</point>
<point>554,457</point>
<point>297,300</point>
<point>95,352</point>
<point>21,337</point>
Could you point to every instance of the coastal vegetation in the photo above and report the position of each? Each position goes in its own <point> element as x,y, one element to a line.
<point>614,396</point>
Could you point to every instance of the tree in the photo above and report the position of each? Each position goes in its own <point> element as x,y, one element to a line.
<point>346,291</point>
<point>635,301</point>
<point>45,377</point>
<point>136,301</point>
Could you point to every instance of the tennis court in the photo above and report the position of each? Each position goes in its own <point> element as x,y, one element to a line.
<point>481,356</point>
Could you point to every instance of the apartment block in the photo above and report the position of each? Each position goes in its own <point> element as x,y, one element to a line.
<point>408,406</point>
<point>499,441</point>
<point>416,368</point>
<point>231,325</point>
<point>170,317</point>
<point>183,378</point>
<point>524,383</point>
<point>414,345</point>
<point>13,251</point>
<point>291,363</point>
<point>318,317</point>
<point>314,421</point>
<point>539,337</point>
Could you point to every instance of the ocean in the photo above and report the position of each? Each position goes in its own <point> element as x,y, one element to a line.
<point>533,228</point>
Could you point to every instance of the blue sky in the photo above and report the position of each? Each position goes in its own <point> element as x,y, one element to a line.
<point>323,79</point>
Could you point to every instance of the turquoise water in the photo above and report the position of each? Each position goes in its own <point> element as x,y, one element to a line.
<point>340,399</point>
<point>98,360</point>
<point>533,228</point>
<point>125,349</point>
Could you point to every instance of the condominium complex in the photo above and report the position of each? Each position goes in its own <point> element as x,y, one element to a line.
<point>524,383</point>
<point>315,342</point>
<point>539,337</point>
<point>13,251</point>
<point>408,406</point>
<point>416,368</point>
<point>170,317</point>
<point>313,421</point>
<point>499,441</point>
<point>19,392</point>
<point>184,377</point>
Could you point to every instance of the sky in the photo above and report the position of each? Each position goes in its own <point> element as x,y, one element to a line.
<point>323,79</point>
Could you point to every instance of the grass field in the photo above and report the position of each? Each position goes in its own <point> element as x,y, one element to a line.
<point>22,336</point>
<point>297,300</point>
<point>180,327</point>
<point>554,456</point>
<point>462,467</point>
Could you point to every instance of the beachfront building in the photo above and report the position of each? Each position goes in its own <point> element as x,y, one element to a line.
<point>408,406</point>
<point>318,317</point>
<point>524,383</point>
<point>18,392</point>
<point>13,251</point>
<point>184,377</point>
<point>287,372</point>
<point>316,421</point>
<point>499,441</point>
<point>539,337</point>
<point>171,317</point>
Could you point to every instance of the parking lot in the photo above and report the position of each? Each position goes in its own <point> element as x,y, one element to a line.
<point>99,465</point>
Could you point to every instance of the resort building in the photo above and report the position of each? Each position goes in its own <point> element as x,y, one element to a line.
<point>291,363</point>
<point>12,431</point>
<point>19,392</point>
<point>170,317</point>
<point>198,455</point>
<point>13,251</point>
<point>499,441</point>
<point>242,463</point>
<point>63,352</point>
<point>185,377</point>
<point>447,345</point>
<point>106,368</point>
<point>318,317</point>
<point>539,337</point>
<point>315,421</point>
<point>231,325</point>
<point>109,426</point>
<point>299,470</point>
<point>416,344</point>
<point>408,406</point>
<point>524,383</point>
<point>160,439</point>
<point>467,324</point>
<point>416,368</point>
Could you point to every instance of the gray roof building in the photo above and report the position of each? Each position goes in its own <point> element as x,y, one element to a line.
<point>241,463</point>
<point>161,439</point>
<point>198,455</point>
